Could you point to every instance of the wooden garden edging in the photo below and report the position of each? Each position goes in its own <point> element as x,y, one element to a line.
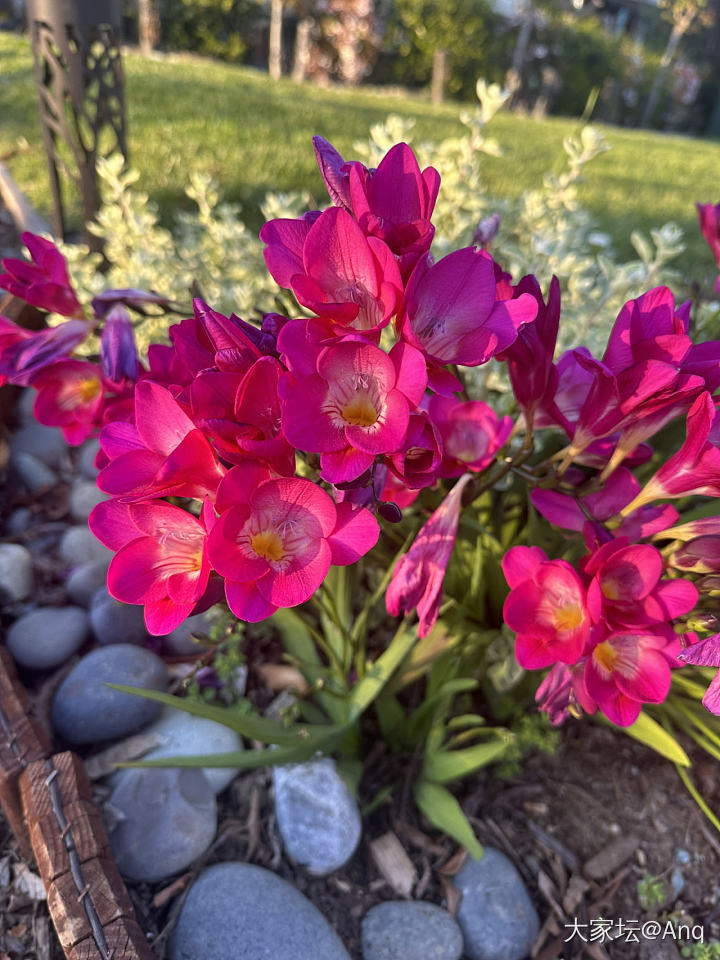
<point>47,801</point>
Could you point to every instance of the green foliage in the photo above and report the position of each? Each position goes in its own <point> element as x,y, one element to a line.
<point>218,28</point>
<point>651,892</point>
<point>701,951</point>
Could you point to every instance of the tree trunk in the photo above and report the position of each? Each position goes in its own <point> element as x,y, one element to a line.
<point>439,70</point>
<point>302,50</point>
<point>513,78</point>
<point>148,26</point>
<point>659,82</point>
<point>275,51</point>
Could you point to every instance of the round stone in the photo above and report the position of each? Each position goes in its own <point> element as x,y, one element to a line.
<point>18,521</point>
<point>84,496</point>
<point>410,930</point>
<point>48,636</point>
<point>116,622</point>
<point>79,546</point>
<point>88,452</point>
<point>238,911</point>
<point>161,820</point>
<point>16,573</point>
<point>46,444</point>
<point>85,710</point>
<point>33,472</point>
<point>496,915</point>
<point>317,816</point>
<point>84,581</point>
<point>185,736</point>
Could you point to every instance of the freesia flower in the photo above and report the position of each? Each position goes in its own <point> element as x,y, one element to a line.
<point>471,433</point>
<point>649,328</point>
<point>118,351</point>
<point>709,215</point>
<point>70,395</point>
<point>452,313</point>
<point>546,608</point>
<point>355,407</point>
<point>335,172</point>
<point>24,353</point>
<point>627,589</point>
<point>395,203</point>
<point>626,669</point>
<point>706,653</point>
<point>276,538</point>
<point>161,560</point>
<point>695,468</point>
<point>418,576</point>
<point>350,281</point>
<point>530,357</point>
<point>162,454</point>
<point>44,283</point>
<point>417,463</point>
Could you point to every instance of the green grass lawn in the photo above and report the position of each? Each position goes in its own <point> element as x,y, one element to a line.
<point>253,135</point>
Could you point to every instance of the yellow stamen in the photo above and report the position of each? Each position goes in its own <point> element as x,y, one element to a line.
<point>605,656</point>
<point>268,545</point>
<point>569,617</point>
<point>88,388</point>
<point>360,411</point>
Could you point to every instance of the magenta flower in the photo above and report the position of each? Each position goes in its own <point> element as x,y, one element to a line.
<point>418,576</point>
<point>161,560</point>
<point>355,407</point>
<point>627,669</point>
<point>163,454</point>
<point>23,355</point>
<point>471,434</point>
<point>209,340</point>
<point>351,282</point>
<point>335,173</point>
<point>546,608</point>
<point>452,313</point>
<point>70,395</point>
<point>530,357</point>
<point>565,511</point>
<point>241,414</point>
<point>700,555</point>
<point>694,469</point>
<point>44,283</point>
<point>709,215</point>
<point>277,537</point>
<point>395,203</point>
<point>417,463</point>
<point>649,328</point>
<point>706,653</point>
<point>627,589</point>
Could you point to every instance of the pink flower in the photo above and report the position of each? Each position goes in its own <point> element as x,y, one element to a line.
<point>417,463</point>
<point>44,283</point>
<point>351,282</point>
<point>471,434</point>
<point>277,537</point>
<point>209,340</point>
<point>335,173</point>
<point>418,576</point>
<point>626,669</point>
<point>627,589</point>
<point>162,454</point>
<point>70,395</point>
<point>161,560</point>
<point>565,511</point>
<point>546,608</point>
<point>24,353</point>
<point>395,203</point>
<point>700,555</point>
<point>706,653</point>
<point>118,352</point>
<point>709,215</point>
<point>694,469</point>
<point>452,313</point>
<point>649,328</point>
<point>530,357</point>
<point>355,407</point>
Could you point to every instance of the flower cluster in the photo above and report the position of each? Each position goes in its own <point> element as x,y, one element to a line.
<point>247,459</point>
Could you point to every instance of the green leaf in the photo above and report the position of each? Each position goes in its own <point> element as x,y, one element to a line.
<point>424,712</point>
<point>444,812</point>
<point>248,725</point>
<point>649,732</point>
<point>442,766</point>
<point>378,674</point>
<point>241,760</point>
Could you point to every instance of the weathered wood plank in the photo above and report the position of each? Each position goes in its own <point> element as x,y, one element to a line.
<point>89,839</point>
<point>109,897</point>
<point>125,941</point>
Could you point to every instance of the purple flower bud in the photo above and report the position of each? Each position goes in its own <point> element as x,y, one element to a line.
<point>118,352</point>
<point>486,231</point>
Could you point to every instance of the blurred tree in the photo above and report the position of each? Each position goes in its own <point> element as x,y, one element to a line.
<point>684,15</point>
<point>148,26</point>
<point>275,39</point>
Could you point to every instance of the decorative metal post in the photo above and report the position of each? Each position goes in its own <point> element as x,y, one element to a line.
<point>79,79</point>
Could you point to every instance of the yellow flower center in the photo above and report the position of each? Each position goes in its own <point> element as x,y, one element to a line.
<point>88,389</point>
<point>569,617</point>
<point>268,545</point>
<point>360,411</point>
<point>605,656</point>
